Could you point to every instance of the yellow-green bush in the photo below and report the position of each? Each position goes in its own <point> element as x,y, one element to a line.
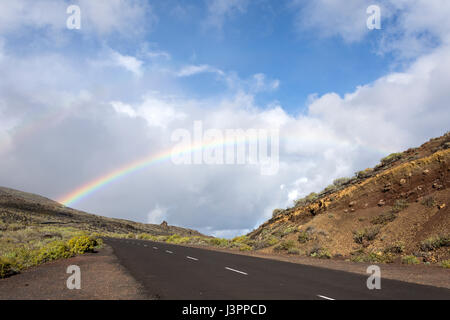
<point>410,260</point>
<point>177,239</point>
<point>83,244</point>
<point>53,251</point>
<point>241,239</point>
<point>446,264</point>
<point>219,242</point>
<point>245,247</point>
<point>435,242</point>
<point>6,267</point>
<point>285,246</point>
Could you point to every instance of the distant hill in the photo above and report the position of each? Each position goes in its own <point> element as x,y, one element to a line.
<point>26,209</point>
<point>397,211</point>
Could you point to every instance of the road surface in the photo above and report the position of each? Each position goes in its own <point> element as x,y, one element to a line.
<point>176,272</point>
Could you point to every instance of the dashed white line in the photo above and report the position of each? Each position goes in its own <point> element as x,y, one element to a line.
<point>323,297</point>
<point>169,251</point>
<point>155,248</point>
<point>195,259</point>
<point>234,270</point>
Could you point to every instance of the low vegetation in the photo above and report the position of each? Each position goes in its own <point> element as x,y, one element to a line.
<point>367,234</point>
<point>319,252</point>
<point>285,246</point>
<point>391,158</point>
<point>399,205</point>
<point>410,259</point>
<point>397,248</point>
<point>446,264</point>
<point>18,256</point>
<point>384,218</point>
<point>435,242</point>
<point>429,202</point>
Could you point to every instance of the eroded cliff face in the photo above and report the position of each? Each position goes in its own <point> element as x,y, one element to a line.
<point>397,209</point>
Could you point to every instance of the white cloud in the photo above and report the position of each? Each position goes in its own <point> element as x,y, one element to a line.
<point>123,108</point>
<point>156,111</point>
<point>101,17</point>
<point>333,17</point>
<point>220,10</point>
<point>91,136</point>
<point>191,70</point>
<point>157,215</point>
<point>130,63</point>
<point>409,27</point>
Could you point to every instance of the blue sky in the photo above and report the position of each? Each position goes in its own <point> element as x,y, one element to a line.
<point>263,39</point>
<point>77,104</point>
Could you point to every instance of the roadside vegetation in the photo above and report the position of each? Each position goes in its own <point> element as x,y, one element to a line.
<point>25,247</point>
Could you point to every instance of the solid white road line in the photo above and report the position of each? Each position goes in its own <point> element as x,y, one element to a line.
<point>169,251</point>
<point>234,270</point>
<point>192,258</point>
<point>323,297</point>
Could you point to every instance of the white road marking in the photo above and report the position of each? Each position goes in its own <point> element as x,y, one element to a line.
<point>169,251</point>
<point>234,270</point>
<point>192,258</point>
<point>323,297</point>
<point>155,248</point>
<point>145,245</point>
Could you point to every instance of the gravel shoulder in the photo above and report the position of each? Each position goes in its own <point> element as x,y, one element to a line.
<point>102,278</point>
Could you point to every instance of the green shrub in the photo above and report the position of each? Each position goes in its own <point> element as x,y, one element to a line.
<point>399,205</point>
<point>53,251</point>
<point>364,173</point>
<point>241,239</point>
<point>446,264</point>
<point>391,158</point>
<point>264,243</point>
<point>288,230</point>
<point>293,251</point>
<point>330,188</point>
<point>435,242</point>
<point>306,200</point>
<point>285,246</point>
<point>372,257</point>
<point>245,247</point>
<point>218,242</point>
<point>368,234</point>
<point>319,252</point>
<point>429,202</point>
<point>83,244</point>
<point>303,237</point>
<point>6,267</point>
<point>384,218</point>
<point>397,247</point>
<point>276,212</point>
<point>341,181</point>
<point>177,239</point>
<point>410,260</point>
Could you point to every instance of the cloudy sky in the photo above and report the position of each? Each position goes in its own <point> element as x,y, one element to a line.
<point>77,104</point>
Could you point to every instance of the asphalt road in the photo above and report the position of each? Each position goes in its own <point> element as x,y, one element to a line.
<point>179,273</point>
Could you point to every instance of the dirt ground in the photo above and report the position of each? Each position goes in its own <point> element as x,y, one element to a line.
<point>102,278</point>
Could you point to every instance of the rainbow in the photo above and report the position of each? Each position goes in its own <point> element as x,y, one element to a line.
<point>134,166</point>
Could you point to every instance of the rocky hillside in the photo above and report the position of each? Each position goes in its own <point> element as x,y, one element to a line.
<point>20,210</point>
<point>395,212</point>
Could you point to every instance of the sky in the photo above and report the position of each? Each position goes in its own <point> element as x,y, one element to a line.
<point>77,105</point>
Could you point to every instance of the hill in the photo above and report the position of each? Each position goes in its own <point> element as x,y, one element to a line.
<point>397,211</point>
<point>20,210</point>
